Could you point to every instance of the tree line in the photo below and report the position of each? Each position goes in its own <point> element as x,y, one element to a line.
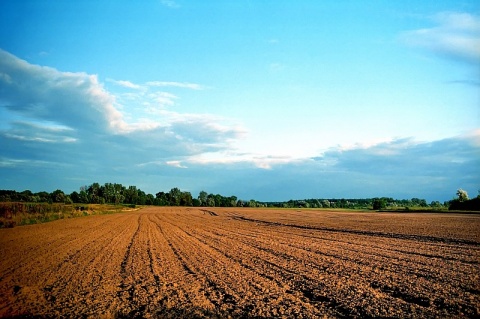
<point>114,193</point>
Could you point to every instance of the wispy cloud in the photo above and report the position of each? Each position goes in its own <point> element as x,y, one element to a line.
<point>170,3</point>
<point>184,85</point>
<point>177,164</point>
<point>126,84</point>
<point>228,158</point>
<point>47,133</point>
<point>454,35</point>
<point>475,83</point>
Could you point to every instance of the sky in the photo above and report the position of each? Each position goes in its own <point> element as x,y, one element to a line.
<point>266,100</point>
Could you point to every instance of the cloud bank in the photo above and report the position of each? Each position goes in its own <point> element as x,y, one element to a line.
<point>63,130</point>
<point>65,118</point>
<point>454,35</point>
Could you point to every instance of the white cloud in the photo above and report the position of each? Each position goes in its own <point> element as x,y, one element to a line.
<point>163,98</point>
<point>401,157</point>
<point>11,163</point>
<point>400,168</point>
<point>455,35</point>
<point>177,164</point>
<point>229,158</point>
<point>170,3</point>
<point>25,131</point>
<point>126,84</point>
<point>53,116</point>
<point>43,93</point>
<point>183,85</point>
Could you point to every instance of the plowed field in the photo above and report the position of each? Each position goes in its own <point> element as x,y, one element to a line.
<point>243,263</point>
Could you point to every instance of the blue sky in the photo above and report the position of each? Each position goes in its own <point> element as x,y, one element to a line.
<point>271,100</point>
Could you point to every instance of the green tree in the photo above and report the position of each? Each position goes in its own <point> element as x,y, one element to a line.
<point>83,196</point>
<point>202,197</point>
<point>43,197</point>
<point>130,194</point>
<point>210,201</point>
<point>150,200</point>
<point>436,204</point>
<point>161,199</point>
<point>462,195</point>
<point>232,201</point>
<point>26,196</point>
<point>186,199</point>
<point>94,194</point>
<point>57,196</point>
<point>68,200</point>
<point>196,202</point>
<point>175,196</point>
<point>379,203</point>
<point>108,191</point>
<point>75,196</point>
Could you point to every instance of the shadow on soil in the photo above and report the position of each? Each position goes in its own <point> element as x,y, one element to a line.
<point>190,313</point>
<point>171,313</point>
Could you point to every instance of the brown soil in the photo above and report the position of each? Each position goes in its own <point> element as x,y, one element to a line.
<point>243,263</point>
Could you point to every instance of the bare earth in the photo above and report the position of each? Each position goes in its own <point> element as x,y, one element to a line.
<point>243,263</point>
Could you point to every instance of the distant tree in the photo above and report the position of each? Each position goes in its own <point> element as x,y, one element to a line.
<point>186,199</point>
<point>232,201</point>
<point>202,197</point>
<point>418,202</point>
<point>57,196</point>
<point>379,203</point>
<point>175,196</point>
<point>119,193</point>
<point>131,195</point>
<point>75,197</point>
<point>150,200</point>
<point>210,201</point>
<point>83,196</point>
<point>196,202</point>
<point>436,204</point>
<point>5,196</point>
<point>462,195</point>
<point>68,200</point>
<point>94,193</point>
<point>108,191</point>
<point>161,199</point>
<point>218,200</point>
<point>43,197</point>
<point>141,197</point>
<point>26,196</point>
<point>463,203</point>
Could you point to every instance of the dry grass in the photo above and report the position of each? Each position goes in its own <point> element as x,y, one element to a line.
<point>17,213</point>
